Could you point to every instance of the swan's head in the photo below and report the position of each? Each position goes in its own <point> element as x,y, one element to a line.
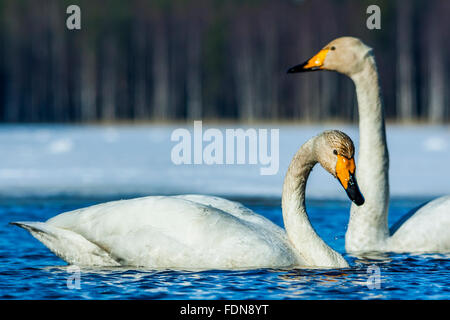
<point>335,152</point>
<point>346,55</point>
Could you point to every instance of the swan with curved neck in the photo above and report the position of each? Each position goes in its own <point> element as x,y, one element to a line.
<point>205,232</point>
<point>425,230</point>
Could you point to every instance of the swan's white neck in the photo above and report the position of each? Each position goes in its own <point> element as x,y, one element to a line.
<point>300,232</point>
<point>368,227</point>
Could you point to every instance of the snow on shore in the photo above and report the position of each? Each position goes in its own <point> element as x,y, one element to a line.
<point>44,160</point>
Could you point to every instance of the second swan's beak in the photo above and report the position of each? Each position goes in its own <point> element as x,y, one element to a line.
<point>313,64</point>
<point>345,172</point>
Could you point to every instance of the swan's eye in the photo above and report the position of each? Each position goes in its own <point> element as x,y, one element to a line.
<point>335,152</point>
<point>333,48</point>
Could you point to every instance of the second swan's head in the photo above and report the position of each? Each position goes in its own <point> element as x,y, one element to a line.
<point>335,152</point>
<point>345,55</point>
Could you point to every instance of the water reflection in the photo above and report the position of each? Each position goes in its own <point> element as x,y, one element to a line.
<point>371,257</point>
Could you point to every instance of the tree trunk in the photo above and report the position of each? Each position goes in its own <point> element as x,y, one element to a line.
<point>160,72</point>
<point>405,86</point>
<point>194,82</point>
<point>436,67</point>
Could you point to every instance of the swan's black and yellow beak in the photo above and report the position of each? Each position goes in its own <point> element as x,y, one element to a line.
<point>313,64</point>
<point>345,172</point>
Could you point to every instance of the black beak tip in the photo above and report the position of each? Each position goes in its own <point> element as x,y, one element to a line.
<point>291,70</point>
<point>301,68</point>
<point>356,197</point>
<point>297,68</point>
<point>359,200</point>
<point>353,192</point>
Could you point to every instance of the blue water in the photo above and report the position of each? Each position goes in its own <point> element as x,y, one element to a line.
<point>29,271</point>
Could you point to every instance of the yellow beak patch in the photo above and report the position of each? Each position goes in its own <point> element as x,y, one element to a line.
<point>318,60</point>
<point>344,167</point>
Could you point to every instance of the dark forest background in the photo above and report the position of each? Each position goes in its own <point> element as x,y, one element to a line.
<point>167,60</point>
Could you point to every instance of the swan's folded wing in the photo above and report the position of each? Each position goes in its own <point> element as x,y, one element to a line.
<point>171,232</point>
<point>236,209</point>
<point>426,230</point>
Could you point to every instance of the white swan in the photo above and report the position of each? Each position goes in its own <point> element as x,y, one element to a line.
<point>204,232</point>
<point>422,230</point>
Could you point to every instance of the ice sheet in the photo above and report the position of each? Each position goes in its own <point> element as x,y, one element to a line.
<point>46,160</point>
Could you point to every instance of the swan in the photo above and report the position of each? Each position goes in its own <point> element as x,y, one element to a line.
<point>424,229</point>
<point>205,232</point>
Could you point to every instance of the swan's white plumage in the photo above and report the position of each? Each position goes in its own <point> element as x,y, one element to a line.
<point>427,230</point>
<point>196,231</point>
<point>168,232</point>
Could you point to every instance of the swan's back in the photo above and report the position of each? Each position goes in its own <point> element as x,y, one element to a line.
<point>179,232</point>
<point>237,210</point>
<point>426,230</point>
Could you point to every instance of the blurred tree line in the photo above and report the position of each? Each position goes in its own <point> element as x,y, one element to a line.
<point>214,59</point>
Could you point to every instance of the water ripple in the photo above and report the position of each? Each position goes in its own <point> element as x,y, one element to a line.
<point>29,271</point>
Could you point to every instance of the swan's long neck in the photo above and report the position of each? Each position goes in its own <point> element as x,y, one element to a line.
<point>368,226</point>
<point>300,232</point>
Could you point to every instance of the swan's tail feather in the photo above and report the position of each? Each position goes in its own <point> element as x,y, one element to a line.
<point>68,245</point>
<point>33,227</point>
